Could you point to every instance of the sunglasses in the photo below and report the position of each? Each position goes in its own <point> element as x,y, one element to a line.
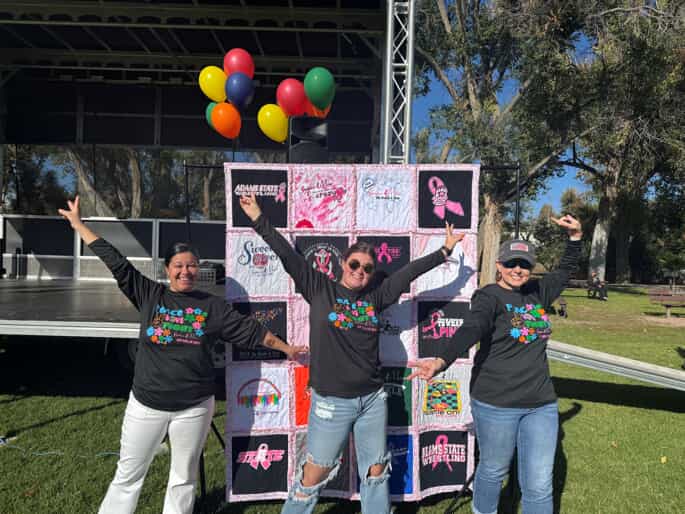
<point>354,266</point>
<point>517,262</point>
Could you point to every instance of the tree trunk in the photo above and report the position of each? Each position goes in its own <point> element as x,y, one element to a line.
<point>622,238</point>
<point>489,232</point>
<point>206,195</point>
<point>136,184</point>
<point>600,237</point>
<point>86,189</point>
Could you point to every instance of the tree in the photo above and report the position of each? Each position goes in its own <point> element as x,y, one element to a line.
<point>492,58</point>
<point>636,90</point>
<point>548,239</point>
<point>34,186</point>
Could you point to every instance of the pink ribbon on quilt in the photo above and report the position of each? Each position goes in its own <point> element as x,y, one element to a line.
<point>383,251</point>
<point>280,197</point>
<point>442,440</point>
<point>440,200</point>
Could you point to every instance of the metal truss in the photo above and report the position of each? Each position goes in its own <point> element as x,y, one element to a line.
<point>398,81</point>
<point>191,17</point>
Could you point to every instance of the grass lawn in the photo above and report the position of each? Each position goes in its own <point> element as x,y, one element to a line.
<point>622,447</point>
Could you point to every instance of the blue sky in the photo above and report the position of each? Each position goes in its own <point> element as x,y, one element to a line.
<point>557,185</point>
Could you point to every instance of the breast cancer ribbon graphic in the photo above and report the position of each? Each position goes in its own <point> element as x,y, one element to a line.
<point>440,199</point>
<point>442,440</point>
<point>280,197</point>
<point>384,253</point>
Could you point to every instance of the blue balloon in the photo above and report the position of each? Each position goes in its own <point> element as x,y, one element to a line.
<point>239,89</point>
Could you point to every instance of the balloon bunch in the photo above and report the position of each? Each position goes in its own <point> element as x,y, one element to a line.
<point>230,90</point>
<point>294,98</point>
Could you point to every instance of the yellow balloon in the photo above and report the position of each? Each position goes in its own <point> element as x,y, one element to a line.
<point>273,122</point>
<point>213,83</point>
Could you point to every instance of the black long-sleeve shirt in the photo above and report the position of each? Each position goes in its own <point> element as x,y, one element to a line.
<point>174,368</point>
<point>344,324</point>
<point>510,367</point>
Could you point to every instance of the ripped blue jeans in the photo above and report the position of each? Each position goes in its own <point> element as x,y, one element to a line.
<point>331,419</point>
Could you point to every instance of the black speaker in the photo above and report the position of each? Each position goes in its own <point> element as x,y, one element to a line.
<point>308,140</point>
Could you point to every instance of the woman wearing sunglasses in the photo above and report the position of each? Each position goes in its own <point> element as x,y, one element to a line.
<point>512,396</point>
<point>346,384</point>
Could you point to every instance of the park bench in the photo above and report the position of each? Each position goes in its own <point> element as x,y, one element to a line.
<point>593,290</point>
<point>667,298</point>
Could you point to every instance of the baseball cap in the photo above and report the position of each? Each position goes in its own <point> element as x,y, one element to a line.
<point>517,249</point>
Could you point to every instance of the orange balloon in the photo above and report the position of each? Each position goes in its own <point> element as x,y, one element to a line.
<point>315,112</point>
<point>226,120</point>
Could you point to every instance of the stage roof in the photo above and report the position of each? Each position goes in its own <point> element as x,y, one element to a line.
<point>112,72</point>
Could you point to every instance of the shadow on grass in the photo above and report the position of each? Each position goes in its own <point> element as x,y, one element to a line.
<point>413,507</point>
<point>642,397</point>
<point>11,432</point>
<point>639,291</point>
<point>47,366</point>
<point>61,367</point>
<point>216,504</point>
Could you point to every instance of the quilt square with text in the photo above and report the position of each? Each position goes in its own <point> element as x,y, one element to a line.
<point>443,456</point>
<point>274,317</point>
<point>252,267</point>
<point>322,198</point>
<point>270,187</point>
<point>259,464</point>
<point>385,199</point>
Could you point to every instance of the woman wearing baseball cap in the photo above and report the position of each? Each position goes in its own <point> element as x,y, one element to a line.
<point>512,396</point>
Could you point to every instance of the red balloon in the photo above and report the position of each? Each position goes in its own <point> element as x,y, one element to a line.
<point>291,97</point>
<point>240,60</point>
<point>226,120</point>
<point>314,112</point>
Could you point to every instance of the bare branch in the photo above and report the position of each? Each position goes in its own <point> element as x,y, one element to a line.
<point>581,165</point>
<point>440,73</point>
<point>443,15</point>
<point>508,108</point>
<point>471,86</point>
<point>445,152</point>
<point>537,167</point>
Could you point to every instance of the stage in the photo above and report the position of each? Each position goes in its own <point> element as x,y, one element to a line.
<point>69,308</point>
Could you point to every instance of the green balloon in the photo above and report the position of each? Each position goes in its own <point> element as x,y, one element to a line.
<point>319,87</point>
<point>208,112</point>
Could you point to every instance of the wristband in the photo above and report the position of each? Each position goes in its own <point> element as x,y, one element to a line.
<point>448,251</point>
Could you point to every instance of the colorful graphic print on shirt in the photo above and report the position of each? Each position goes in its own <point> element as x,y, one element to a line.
<point>359,314</point>
<point>529,323</point>
<point>185,326</point>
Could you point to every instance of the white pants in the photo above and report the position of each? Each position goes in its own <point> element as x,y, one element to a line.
<point>142,432</point>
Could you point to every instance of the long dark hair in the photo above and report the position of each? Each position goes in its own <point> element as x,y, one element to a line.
<point>360,247</point>
<point>177,248</point>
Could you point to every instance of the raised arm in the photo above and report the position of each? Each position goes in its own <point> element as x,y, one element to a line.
<point>477,324</point>
<point>392,287</point>
<point>554,282</point>
<point>136,286</point>
<point>307,279</point>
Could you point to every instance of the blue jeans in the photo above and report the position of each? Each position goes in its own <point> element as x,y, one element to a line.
<point>499,430</point>
<point>331,419</point>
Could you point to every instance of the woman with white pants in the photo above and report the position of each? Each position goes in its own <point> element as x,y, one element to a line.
<point>173,382</point>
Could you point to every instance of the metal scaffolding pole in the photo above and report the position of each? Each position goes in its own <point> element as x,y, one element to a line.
<point>398,79</point>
